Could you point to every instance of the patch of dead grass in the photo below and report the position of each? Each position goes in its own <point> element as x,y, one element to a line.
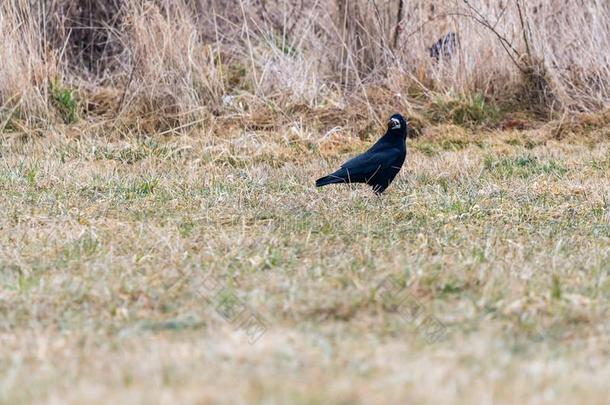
<point>500,235</point>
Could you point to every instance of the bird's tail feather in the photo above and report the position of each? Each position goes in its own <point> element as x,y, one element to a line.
<point>330,179</point>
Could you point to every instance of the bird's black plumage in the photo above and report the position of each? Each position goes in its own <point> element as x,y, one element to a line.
<point>445,47</point>
<point>378,166</point>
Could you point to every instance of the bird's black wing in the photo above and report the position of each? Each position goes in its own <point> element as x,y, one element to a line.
<point>365,166</point>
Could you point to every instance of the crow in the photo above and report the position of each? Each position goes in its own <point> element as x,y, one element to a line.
<point>378,166</point>
<point>444,48</point>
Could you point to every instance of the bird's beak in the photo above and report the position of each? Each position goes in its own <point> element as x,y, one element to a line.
<point>393,123</point>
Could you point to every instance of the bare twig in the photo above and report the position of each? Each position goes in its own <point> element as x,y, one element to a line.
<point>399,15</point>
<point>250,48</point>
<point>514,55</point>
<point>124,94</point>
<point>524,31</point>
<point>379,23</point>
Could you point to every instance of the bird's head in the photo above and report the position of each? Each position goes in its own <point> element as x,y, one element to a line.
<point>397,124</point>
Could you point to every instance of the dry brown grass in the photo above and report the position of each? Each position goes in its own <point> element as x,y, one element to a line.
<point>482,275</point>
<point>501,236</point>
<point>175,64</point>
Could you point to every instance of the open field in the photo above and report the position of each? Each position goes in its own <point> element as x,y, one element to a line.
<point>501,238</point>
<point>161,238</point>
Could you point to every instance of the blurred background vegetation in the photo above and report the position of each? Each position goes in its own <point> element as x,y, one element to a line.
<point>169,66</point>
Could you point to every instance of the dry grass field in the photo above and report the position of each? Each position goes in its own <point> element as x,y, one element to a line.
<point>130,267</point>
<point>162,241</point>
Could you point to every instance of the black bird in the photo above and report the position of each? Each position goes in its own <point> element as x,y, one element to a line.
<point>445,47</point>
<point>378,166</point>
